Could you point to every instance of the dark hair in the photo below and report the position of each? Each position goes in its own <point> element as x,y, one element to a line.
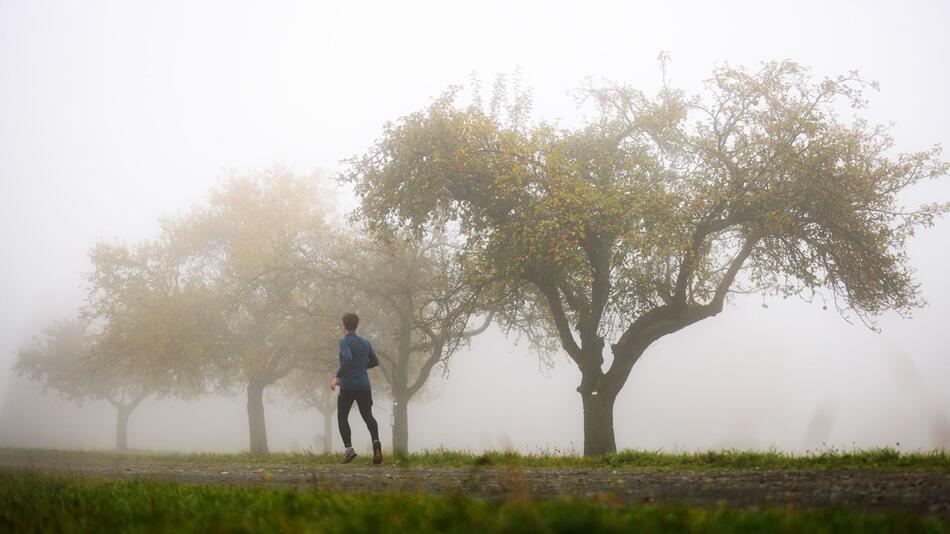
<point>350,320</point>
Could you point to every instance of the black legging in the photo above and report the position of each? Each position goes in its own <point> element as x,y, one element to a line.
<point>364,401</point>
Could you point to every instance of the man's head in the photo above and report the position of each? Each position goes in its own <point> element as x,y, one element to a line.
<point>350,322</point>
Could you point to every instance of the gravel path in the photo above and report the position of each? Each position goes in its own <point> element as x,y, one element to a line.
<point>916,491</point>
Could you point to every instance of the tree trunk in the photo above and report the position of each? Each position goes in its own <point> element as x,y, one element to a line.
<point>328,432</point>
<point>599,423</point>
<point>400,424</point>
<point>122,428</point>
<point>255,417</point>
<point>400,382</point>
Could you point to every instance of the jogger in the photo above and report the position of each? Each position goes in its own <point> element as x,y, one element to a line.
<point>356,356</point>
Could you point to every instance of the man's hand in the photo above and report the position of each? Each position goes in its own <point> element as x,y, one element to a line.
<point>334,383</point>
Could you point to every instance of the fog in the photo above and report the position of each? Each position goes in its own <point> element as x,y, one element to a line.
<point>114,114</point>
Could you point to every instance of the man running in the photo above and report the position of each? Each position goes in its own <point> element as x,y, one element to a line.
<point>356,356</point>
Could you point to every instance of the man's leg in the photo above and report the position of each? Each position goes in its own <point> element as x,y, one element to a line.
<point>343,404</point>
<point>365,403</point>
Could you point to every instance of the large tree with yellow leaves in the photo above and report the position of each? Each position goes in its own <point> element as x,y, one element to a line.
<point>645,219</point>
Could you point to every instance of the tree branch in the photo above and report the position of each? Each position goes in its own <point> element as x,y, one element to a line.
<point>115,404</point>
<point>136,401</point>
<point>727,280</point>
<point>703,230</point>
<point>384,368</point>
<point>484,326</point>
<point>435,356</point>
<point>561,323</point>
<point>599,258</point>
<point>666,319</point>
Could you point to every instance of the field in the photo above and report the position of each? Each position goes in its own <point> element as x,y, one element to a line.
<point>863,491</point>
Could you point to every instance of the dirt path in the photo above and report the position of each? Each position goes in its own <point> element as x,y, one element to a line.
<point>913,491</point>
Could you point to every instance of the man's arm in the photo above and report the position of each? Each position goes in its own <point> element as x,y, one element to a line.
<point>346,356</point>
<point>373,361</point>
<point>338,369</point>
<point>336,378</point>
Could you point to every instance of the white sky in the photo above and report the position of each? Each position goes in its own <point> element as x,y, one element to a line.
<point>113,114</point>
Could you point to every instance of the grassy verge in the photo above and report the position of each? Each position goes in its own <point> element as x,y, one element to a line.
<point>31,502</point>
<point>885,458</point>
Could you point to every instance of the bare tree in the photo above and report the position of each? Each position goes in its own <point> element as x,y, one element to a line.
<point>412,294</point>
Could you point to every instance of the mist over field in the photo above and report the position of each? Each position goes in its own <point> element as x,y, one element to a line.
<point>115,115</point>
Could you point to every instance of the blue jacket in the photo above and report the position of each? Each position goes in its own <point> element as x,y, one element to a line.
<point>356,356</point>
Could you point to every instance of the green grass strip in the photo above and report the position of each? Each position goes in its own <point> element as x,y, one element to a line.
<point>31,502</point>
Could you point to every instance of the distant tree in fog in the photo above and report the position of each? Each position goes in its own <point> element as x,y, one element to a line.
<point>307,387</point>
<point>156,320</point>
<point>138,333</point>
<point>147,328</point>
<point>252,241</point>
<point>59,359</point>
<point>646,218</point>
<point>415,306</point>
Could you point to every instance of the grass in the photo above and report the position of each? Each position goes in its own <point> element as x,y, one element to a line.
<point>30,502</point>
<point>884,458</point>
